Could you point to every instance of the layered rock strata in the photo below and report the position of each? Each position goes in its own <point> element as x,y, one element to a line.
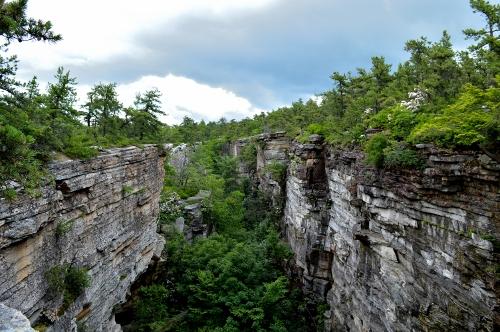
<point>272,161</point>
<point>396,250</point>
<point>99,214</point>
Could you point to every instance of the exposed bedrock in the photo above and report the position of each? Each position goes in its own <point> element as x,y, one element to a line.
<point>393,250</point>
<point>98,214</point>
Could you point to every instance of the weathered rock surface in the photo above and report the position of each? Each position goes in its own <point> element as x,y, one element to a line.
<point>191,224</point>
<point>393,250</point>
<point>396,250</point>
<point>100,214</point>
<point>272,160</point>
<point>12,320</point>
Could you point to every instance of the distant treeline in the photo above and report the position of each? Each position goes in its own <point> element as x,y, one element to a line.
<point>441,96</point>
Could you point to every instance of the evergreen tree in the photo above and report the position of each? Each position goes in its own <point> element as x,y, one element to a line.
<point>144,116</point>
<point>341,91</point>
<point>102,106</point>
<point>487,36</point>
<point>61,96</point>
<point>14,25</point>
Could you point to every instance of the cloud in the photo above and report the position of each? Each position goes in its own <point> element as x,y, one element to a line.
<point>268,52</point>
<point>182,96</point>
<point>96,30</point>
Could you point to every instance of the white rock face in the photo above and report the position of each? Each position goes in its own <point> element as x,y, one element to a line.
<point>12,320</point>
<point>100,214</point>
<point>395,250</point>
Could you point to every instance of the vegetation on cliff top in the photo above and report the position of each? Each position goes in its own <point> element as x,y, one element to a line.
<point>440,95</point>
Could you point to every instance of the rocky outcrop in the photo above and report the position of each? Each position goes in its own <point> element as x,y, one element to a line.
<point>272,160</point>
<point>98,214</point>
<point>191,223</point>
<point>396,250</point>
<point>12,320</point>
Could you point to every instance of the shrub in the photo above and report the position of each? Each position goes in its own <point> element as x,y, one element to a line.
<point>170,207</point>
<point>127,190</point>
<point>19,162</point>
<point>397,119</point>
<point>398,155</point>
<point>474,119</point>
<point>249,156</point>
<point>10,194</point>
<point>374,149</point>
<point>68,281</point>
<point>63,227</point>
<point>77,142</point>
<point>277,171</point>
<point>152,305</point>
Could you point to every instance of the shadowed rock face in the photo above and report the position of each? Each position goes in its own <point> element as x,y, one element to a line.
<point>394,250</point>
<point>99,214</point>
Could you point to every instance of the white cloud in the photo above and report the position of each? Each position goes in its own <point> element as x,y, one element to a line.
<point>183,96</point>
<point>95,30</point>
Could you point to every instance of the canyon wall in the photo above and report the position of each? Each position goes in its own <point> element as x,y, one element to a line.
<point>394,250</point>
<point>99,214</point>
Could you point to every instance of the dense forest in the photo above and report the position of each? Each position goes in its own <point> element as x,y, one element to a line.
<point>235,279</point>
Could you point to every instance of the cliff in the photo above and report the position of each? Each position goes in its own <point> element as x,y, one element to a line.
<point>393,250</point>
<point>99,215</point>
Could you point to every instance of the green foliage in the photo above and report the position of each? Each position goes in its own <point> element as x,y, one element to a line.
<point>77,146</point>
<point>127,190</point>
<point>15,26</point>
<point>397,119</point>
<point>68,281</point>
<point>400,156</point>
<point>63,227</point>
<point>18,161</point>
<point>472,120</point>
<point>170,207</point>
<point>381,151</point>
<point>153,304</point>
<point>220,284</point>
<point>277,171</point>
<point>10,194</point>
<point>248,156</point>
<point>374,149</point>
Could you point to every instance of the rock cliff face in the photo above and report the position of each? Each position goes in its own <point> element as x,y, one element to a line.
<point>396,250</point>
<point>99,214</point>
<point>272,161</point>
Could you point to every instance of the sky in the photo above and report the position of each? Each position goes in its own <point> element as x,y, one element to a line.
<point>229,58</point>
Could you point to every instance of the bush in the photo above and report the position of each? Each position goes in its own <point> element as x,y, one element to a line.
<point>63,227</point>
<point>397,119</point>
<point>152,305</point>
<point>249,156</point>
<point>374,149</point>
<point>396,156</point>
<point>473,120</point>
<point>19,163</point>
<point>68,281</point>
<point>277,171</point>
<point>170,207</point>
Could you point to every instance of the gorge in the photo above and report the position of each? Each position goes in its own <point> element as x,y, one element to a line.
<point>393,250</point>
